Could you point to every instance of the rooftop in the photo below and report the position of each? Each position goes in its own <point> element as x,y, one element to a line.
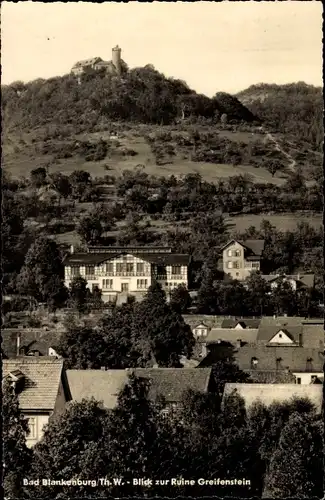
<point>153,258</point>
<point>105,385</point>
<point>38,339</point>
<point>41,384</point>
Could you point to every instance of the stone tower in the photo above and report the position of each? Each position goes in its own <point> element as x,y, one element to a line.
<point>116,58</point>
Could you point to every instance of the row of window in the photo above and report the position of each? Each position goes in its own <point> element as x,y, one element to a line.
<point>108,285</point>
<point>234,253</point>
<point>124,267</point>
<point>236,264</point>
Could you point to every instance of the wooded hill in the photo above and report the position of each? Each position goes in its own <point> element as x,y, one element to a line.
<point>294,109</point>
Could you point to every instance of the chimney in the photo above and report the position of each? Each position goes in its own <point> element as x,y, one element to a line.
<point>238,343</point>
<point>71,249</point>
<point>18,344</point>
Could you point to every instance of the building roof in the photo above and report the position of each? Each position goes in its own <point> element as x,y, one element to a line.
<point>87,62</point>
<point>105,385</point>
<point>244,322</point>
<point>307,280</point>
<point>194,320</point>
<point>313,336</point>
<point>41,384</point>
<point>293,357</point>
<point>154,258</point>
<point>285,321</point>
<point>37,339</point>
<point>231,335</point>
<point>266,333</point>
<point>255,247</point>
<point>270,393</point>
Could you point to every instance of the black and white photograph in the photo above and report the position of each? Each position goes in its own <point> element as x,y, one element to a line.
<point>162,250</point>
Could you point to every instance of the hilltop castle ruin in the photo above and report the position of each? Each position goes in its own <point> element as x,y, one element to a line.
<point>114,67</point>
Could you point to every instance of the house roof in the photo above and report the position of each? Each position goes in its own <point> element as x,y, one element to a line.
<point>38,339</point>
<point>294,358</point>
<point>306,280</point>
<point>246,323</point>
<point>283,321</point>
<point>104,385</point>
<point>195,319</point>
<point>231,335</point>
<point>266,333</point>
<point>87,62</point>
<point>313,336</point>
<point>42,379</point>
<point>154,258</point>
<point>256,247</point>
<point>270,393</point>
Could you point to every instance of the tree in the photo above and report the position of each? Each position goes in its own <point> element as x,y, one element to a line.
<point>79,294</point>
<point>296,468</point>
<point>273,166</point>
<point>90,229</point>
<point>283,298</point>
<point>61,183</point>
<point>72,447</point>
<point>206,302</point>
<point>38,177</point>
<point>258,294</point>
<point>16,455</point>
<point>82,347</point>
<point>42,270</point>
<point>227,371</point>
<point>79,180</point>
<point>164,328</point>
<point>180,299</point>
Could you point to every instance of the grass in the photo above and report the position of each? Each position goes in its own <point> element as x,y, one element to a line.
<point>287,222</point>
<point>19,157</point>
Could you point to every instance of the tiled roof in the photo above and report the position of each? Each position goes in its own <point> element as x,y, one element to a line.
<point>232,335</point>
<point>30,338</point>
<point>307,280</point>
<point>313,336</point>
<point>87,62</point>
<point>295,358</point>
<point>41,384</point>
<point>271,377</point>
<point>270,393</point>
<point>154,258</point>
<point>245,322</point>
<point>104,385</point>
<point>195,319</point>
<point>266,333</point>
<point>282,321</point>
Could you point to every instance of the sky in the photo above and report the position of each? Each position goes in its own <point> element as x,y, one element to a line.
<point>214,47</point>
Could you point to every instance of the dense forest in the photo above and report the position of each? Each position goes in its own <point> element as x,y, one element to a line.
<point>295,109</point>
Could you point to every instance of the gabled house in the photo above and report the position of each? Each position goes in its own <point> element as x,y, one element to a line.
<point>120,272</point>
<point>200,331</point>
<point>241,258</point>
<point>42,390</point>
<point>168,383</point>
<point>268,394</point>
<point>296,281</point>
<point>280,335</point>
<point>28,342</point>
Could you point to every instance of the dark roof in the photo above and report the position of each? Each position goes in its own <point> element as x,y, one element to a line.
<point>254,247</point>
<point>104,385</point>
<point>245,323</point>
<point>30,339</point>
<point>271,377</point>
<point>306,280</point>
<point>266,333</point>
<point>41,383</point>
<point>313,336</point>
<point>267,394</point>
<point>154,258</point>
<point>231,335</point>
<point>293,357</point>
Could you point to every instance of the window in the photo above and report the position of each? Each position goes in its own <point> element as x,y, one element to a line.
<point>108,284</point>
<point>140,268</point>
<point>75,271</point>
<point>125,287</point>
<point>229,253</point>
<point>298,380</point>
<point>32,428</point>
<point>109,267</point>
<point>90,270</point>
<point>119,267</point>
<point>176,270</point>
<point>254,362</point>
<point>129,268</point>
<point>142,284</point>
<point>237,253</point>
<point>237,274</point>
<point>230,265</point>
<point>280,335</point>
<point>236,264</point>
<point>255,265</point>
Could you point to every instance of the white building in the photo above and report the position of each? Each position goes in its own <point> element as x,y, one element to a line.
<point>119,272</point>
